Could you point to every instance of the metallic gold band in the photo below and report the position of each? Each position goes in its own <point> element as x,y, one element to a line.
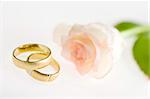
<point>41,76</point>
<point>32,48</point>
<point>42,58</point>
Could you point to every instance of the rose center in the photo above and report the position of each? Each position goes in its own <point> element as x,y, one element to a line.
<point>78,52</point>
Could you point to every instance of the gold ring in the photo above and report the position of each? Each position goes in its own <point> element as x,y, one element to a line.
<point>28,65</point>
<point>42,58</point>
<point>41,76</point>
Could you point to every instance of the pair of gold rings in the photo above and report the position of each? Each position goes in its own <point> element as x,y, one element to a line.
<point>39,57</point>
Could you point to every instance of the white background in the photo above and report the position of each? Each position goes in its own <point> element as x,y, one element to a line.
<point>34,22</point>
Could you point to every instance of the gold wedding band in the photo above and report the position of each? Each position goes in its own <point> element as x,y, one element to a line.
<point>31,48</point>
<point>41,76</point>
<point>42,58</point>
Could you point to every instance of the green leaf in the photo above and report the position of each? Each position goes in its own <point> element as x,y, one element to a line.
<point>141,52</point>
<point>141,49</point>
<point>125,26</point>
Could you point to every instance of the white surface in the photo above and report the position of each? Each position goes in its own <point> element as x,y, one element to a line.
<point>25,22</point>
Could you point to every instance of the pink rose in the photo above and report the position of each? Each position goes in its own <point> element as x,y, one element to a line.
<point>93,48</point>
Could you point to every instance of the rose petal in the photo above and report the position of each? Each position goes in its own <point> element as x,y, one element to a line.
<point>106,35</point>
<point>60,32</point>
<point>109,44</point>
